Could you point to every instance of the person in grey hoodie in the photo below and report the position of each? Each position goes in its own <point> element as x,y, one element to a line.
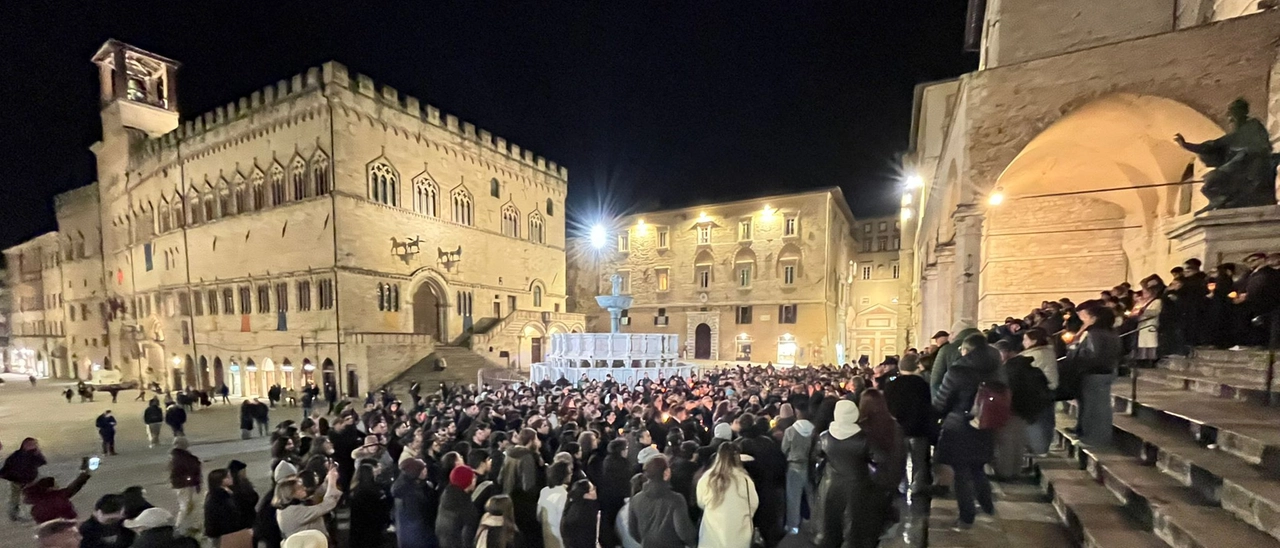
<point>796,442</point>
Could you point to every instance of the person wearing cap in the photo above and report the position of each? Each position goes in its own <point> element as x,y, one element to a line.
<point>458,518</point>
<point>155,529</point>
<point>292,512</point>
<point>412,530</point>
<point>940,338</point>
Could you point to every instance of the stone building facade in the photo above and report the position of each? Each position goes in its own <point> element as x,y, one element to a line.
<point>36,344</point>
<point>759,280</point>
<point>1051,171</point>
<point>876,278</point>
<point>321,228</point>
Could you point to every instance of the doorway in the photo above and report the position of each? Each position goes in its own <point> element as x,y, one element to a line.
<point>535,350</point>
<point>702,342</point>
<point>428,310</point>
<point>497,309</point>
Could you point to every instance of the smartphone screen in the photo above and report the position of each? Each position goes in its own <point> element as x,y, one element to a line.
<point>94,462</point>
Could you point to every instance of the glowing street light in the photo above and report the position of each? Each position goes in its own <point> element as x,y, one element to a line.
<point>914,181</point>
<point>599,236</point>
<point>906,214</point>
<point>996,198</point>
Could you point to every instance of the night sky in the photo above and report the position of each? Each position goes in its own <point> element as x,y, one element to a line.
<point>653,104</point>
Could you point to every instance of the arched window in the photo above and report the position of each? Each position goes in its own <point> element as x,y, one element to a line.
<point>226,204</point>
<point>207,200</point>
<point>495,188</point>
<point>257,180</point>
<point>537,232</point>
<point>510,221</point>
<point>179,214</point>
<point>382,296</point>
<point>551,207</point>
<point>537,296</point>
<point>163,218</point>
<point>193,206</point>
<point>395,298</point>
<point>298,176</point>
<point>243,194</point>
<point>426,196</point>
<point>383,183</point>
<point>462,208</point>
<point>277,184</point>
<point>320,172</point>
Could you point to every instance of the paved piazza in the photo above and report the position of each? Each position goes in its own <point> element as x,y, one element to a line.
<point>66,433</point>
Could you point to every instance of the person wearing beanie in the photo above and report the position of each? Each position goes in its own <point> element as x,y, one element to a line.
<point>458,518</point>
<point>412,529</point>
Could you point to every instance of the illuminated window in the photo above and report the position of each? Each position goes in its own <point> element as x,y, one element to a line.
<point>664,279</point>
<point>744,230</point>
<point>704,235</point>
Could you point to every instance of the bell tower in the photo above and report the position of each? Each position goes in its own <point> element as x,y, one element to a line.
<point>139,90</point>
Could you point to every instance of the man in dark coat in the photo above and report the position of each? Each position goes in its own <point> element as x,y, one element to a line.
<point>176,418</point>
<point>104,529</point>
<point>21,468</point>
<point>613,489</point>
<point>106,425</point>
<point>153,417</point>
<point>458,518</point>
<point>657,516</point>
<point>273,394</point>
<point>246,420</point>
<point>949,354</point>
<point>909,401</point>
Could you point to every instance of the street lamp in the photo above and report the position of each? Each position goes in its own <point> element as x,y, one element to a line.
<point>997,197</point>
<point>914,181</point>
<point>599,236</point>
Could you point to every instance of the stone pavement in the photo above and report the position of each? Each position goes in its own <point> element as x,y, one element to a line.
<point>67,433</point>
<point>1024,517</point>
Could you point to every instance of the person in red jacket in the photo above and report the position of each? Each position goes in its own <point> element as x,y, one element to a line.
<point>48,502</point>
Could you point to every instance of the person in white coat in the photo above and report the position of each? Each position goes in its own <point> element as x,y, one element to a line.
<point>728,499</point>
<point>551,501</point>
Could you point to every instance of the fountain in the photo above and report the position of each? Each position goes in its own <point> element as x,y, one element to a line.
<point>627,357</point>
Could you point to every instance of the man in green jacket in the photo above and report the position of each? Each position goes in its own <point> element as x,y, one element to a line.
<point>949,353</point>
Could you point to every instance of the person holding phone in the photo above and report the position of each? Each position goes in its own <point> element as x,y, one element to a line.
<point>292,512</point>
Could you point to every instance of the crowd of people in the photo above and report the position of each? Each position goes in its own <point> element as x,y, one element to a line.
<point>733,457</point>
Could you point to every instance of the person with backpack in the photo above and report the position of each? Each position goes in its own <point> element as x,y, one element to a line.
<point>962,446</point>
<point>1029,397</point>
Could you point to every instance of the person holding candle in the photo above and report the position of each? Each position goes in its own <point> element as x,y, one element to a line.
<point>1095,356</point>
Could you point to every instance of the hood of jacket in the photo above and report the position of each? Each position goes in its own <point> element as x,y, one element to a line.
<point>803,427</point>
<point>519,452</point>
<point>959,338</point>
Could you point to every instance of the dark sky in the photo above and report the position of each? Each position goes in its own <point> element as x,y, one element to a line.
<point>651,103</point>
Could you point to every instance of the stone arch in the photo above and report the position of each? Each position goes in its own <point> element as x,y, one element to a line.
<point>430,304</point>
<point>219,378</point>
<point>329,372</point>
<point>1106,153</point>
<point>790,254</point>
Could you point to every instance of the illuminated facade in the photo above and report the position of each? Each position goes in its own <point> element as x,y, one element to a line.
<point>760,280</point>
<point>876,279</point>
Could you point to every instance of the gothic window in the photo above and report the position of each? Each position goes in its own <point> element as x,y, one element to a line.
<point>210,208</point>
<point>383,183</point>
<point>298,176</point>
<point>245,304</point>
<point>163,218</point>
<point>228,302</point>
<point>282,297</point>
<point>193,205</point>
<point>510,221</point>
<point>382,296</point>
<point>537,296</point>
<point>225,205</point>
<point>426,196</point>
<point>462,207</point>
<point>178,211</point>
<point>536,231</point>
<point>395,297</point>
<point>264,298</point>
<point>257,181</point>
<point>277,184</point>
<point>320,172</point>
<point>242,193</point>
<point>326,294</point>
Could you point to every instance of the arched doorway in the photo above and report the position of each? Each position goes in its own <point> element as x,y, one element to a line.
<point>218,378</point>
<point>329,373</point>
<point>532,344</point>
<point>1091,193</point>
<point>702,342</point>
<point>430,310</point>
<point>191,375</point>
<point>251,384</point>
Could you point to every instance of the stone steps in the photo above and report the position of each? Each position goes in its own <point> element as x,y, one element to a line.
<point>1091,514</point>
<point>1173,512</point>
<point>1249,390</point>
<point>1243,429</point>
<point>463,367</point>
<point>1024,517</point>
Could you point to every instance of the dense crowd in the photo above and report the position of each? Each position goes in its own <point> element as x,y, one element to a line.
<point>732,457</point>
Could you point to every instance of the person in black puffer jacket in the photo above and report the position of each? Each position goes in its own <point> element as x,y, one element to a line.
<point>768,469</point>
<point>961,446</point>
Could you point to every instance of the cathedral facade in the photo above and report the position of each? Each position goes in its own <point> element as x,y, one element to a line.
<point>323,228</point>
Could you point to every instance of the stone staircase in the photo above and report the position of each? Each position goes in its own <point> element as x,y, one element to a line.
<point>1195,461</point>
<point>463,367</point>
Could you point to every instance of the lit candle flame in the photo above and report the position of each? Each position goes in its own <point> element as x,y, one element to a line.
<point>1068,336</point>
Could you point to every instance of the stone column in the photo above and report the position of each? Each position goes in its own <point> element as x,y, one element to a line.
<point>968,220</point>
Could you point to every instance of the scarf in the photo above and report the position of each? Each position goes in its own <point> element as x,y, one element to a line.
<point>489,522</point>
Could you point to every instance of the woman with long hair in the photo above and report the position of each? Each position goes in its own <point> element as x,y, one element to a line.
<point>581,516</point>
<point>888,451</point>
<point>498,525</point>
<point>729,501</point>
<point>221,516</point>
<point>292,512</point>
<point>370,511</point>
